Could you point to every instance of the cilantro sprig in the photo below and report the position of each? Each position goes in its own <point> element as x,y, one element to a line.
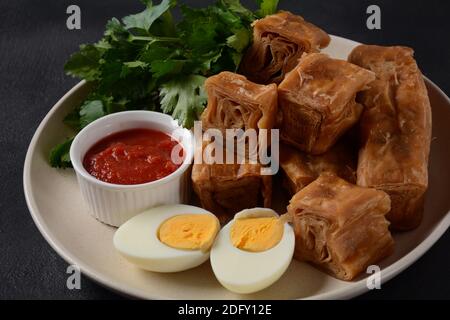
<point>148,61</point>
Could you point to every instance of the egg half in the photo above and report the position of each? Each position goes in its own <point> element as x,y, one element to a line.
<point>168,238</point>
<point>252,251</point>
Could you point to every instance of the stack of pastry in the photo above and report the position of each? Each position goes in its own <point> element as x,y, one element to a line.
<point>347,197</point>
<point>234,103</point>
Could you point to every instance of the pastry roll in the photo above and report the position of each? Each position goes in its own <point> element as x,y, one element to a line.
<point>225,189</point>
<point>279,40</point>
<point>300,169</point>
<point>340,227</point>
<point>317,101</point>
<point>236,103</point>
<point>395,131</point>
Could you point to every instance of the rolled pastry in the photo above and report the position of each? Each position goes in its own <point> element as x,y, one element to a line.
<point>395,131</point>
<point>300,169</point>
<point>279,40</point>
<point>237,103</point>
<point>225,189</point>
<point>340,227</point>
<point>317,101</point>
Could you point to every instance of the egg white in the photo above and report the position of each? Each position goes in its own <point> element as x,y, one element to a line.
<point>137,241</point>
<point>246,272</point>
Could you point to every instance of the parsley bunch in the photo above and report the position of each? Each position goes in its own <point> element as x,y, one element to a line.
<point>146,61</point>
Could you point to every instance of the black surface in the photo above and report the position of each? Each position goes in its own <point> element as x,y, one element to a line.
<point>34,44</point>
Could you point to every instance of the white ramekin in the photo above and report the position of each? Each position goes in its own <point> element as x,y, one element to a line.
<point>114,204</point>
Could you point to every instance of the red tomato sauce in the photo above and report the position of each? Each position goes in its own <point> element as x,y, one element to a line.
<point>132,157</point>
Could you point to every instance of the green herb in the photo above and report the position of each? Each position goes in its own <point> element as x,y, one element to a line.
<point>266,7</point>
<point>184,98</point>
<point>147,61</point>
<point>59,156</point>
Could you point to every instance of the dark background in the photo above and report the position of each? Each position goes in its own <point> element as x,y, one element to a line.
<point>35,43</point>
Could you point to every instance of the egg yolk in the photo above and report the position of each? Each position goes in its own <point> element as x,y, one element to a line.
<point>256,234</point>
<point>189,231</point>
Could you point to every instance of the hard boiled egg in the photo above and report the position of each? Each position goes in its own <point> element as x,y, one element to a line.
<point>169,238</point>
<point>252,251</point>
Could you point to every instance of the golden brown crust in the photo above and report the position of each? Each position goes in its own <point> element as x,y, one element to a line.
<point>317,100</point>
<point>395,131</point>
<point>225,189</point>
<point>300,169</point>
<point>279,40</point>
<point>237,103</point>
<point>340,227</point>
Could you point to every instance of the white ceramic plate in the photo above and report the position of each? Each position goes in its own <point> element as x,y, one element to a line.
<point>56,206</point>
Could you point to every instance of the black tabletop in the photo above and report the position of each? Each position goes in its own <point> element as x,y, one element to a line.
<point>35,43</point>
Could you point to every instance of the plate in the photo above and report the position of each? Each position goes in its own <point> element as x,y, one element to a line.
<point>56,206</point>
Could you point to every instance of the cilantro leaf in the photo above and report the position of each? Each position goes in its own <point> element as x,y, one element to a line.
<point>60,155</point>
<point>115,31</point>
<point>198,30</point>
<point>206,31</point>
<point>236,7</point>
<point>267,7</point>
<point>202,36</point>
<point>164,26</point>
<point>91,111</point>
<point>128,67</point>
<point>239,40</point>
<point>162,68</point>
<point>206,61</point>
<point>135,64</point>
<point>156,51</point>
<point>73,119</point>
<point>184,98</point>
<point>144,20</point>
<point>84,63</point>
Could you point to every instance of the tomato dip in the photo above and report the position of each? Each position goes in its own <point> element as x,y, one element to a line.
<point>133,157</point>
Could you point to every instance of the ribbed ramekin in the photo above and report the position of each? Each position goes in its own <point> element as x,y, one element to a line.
<point>114,204</point>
